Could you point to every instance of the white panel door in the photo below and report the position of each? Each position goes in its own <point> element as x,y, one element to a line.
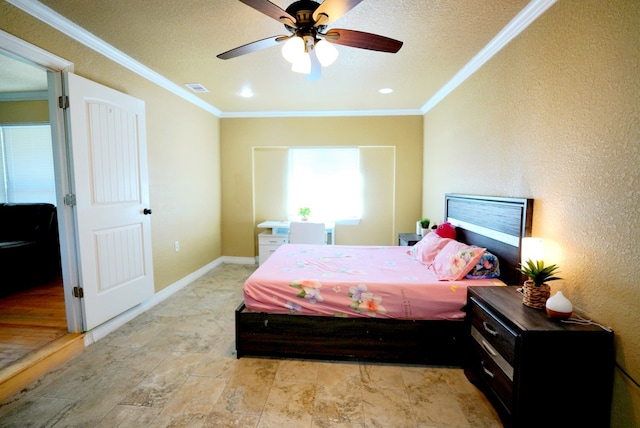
<point>108,152</point>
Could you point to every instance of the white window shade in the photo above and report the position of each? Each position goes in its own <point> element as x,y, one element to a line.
<point>328,181</point>
<point>26,166</point>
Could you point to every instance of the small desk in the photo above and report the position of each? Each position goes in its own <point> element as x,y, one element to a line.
<point>282,228</point>
<point>277,234</point>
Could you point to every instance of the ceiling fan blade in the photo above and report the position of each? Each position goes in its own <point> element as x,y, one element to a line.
<point>269,9</point>
<point>333,9</point>
<point>362,40</point>
<point>253,47</point>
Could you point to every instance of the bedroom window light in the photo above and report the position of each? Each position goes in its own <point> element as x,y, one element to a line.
<point>26,164</point>
<point>328,181</point>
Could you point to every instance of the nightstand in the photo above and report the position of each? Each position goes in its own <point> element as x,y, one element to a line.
<point>408,239</point>
<point>537,371</point>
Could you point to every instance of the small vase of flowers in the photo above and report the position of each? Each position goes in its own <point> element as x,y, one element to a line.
<point>304,213</point>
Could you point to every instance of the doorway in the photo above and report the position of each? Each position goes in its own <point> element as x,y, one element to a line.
<point>53,66</point>
<point>32,308</point>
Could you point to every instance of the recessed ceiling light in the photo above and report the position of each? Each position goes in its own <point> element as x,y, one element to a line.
<point>246,92</point>
<point>385,90</point>
<point>196,87</point>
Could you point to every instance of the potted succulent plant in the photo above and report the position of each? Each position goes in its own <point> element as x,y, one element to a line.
<point>536,291</point>
<point>424,226</point>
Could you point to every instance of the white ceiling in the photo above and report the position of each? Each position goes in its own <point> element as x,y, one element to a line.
<point>180,41</point>
<point>17,76</point>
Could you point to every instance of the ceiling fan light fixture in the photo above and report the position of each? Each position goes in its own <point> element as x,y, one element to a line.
<point>293,49</point>
<point>302,64</point>
<point>326,52</point>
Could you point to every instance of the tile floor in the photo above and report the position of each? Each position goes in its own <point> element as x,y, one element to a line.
<point>175,366</point>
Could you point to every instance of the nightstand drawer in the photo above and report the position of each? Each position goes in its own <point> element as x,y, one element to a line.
<point>498,335</point>
<point>488,369</point>
<point>272,239</point>
<point>492,353</point>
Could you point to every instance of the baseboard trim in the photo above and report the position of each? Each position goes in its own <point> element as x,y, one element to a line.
<point>239,260</point>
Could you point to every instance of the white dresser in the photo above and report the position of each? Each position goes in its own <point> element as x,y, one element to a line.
<point>268,243</point>
<point>277,234</point>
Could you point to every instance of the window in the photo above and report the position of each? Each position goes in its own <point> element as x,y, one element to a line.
<point>26,164</point>
<point>326,180</point>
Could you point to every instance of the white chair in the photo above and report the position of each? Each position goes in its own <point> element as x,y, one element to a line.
<point>305,232</point>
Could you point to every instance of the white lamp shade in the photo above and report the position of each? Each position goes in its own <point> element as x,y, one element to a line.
<point>293,49</point>
<point>532,249</point>
<point>326,52</point>
<point>302,64</point>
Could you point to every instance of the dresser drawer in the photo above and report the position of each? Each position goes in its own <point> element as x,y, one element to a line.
<point>265,251</point>
<point>496,333</point>
<point>272,239</point>
<point>487,368</point>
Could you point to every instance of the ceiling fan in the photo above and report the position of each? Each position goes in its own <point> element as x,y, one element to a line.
<point>309,45</point>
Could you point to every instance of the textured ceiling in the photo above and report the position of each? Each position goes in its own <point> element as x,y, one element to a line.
<point>17,76</point>
<point>180,40</point>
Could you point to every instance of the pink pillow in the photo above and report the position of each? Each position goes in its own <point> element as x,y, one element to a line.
<point>428,247</point>
<point>455,260</point>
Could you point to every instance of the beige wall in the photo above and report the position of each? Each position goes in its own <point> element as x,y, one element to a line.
<point>554,116</point>
<point>383,136</point>
<point>24,111</point>
<point>183,153</point>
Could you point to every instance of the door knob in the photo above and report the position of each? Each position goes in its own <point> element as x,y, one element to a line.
<point>146,211</point>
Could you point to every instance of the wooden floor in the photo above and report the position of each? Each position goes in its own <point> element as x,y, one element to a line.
<point>33,335</point>
<point>30,319</point>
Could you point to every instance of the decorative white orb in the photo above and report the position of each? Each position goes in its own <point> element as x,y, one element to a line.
<point>559,306</point>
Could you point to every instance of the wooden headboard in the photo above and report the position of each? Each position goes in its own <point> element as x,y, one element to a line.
<point>495,223</point>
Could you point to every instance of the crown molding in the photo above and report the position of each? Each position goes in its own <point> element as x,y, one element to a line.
<point>522,20</point>
<point>322,113</point>
<point>16,48</point>
<point>70,29</point>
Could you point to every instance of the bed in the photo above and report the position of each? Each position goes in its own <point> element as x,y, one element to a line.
<point>398,331</point>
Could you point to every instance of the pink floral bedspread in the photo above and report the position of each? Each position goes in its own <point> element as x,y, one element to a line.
<point>354,281</point>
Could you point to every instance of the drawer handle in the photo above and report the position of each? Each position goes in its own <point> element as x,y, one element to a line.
<point>486,370</point>
<point>488,329</point>
<point>489,349</point>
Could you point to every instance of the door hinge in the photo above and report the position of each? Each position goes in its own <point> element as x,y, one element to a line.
<point>78,292</point>
<point>70,200</point>
<point>63,102</point>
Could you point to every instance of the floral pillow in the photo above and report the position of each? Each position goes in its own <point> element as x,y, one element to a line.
<point>428,247</point>
<point>487,267</point>
<point>455,260</point>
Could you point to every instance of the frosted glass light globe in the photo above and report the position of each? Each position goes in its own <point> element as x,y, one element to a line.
<point>293,49</point>
<point>326,52</point>
<point>302,64</point>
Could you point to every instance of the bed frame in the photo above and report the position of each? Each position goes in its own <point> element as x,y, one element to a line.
<point>496,223</point>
